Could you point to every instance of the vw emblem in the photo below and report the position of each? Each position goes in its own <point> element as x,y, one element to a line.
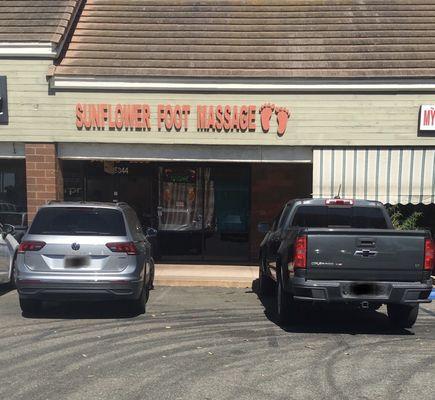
<point>75,246</point>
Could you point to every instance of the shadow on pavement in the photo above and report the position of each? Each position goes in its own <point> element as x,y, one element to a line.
<point>5,289</point>
<point>323,318</point>
<point>83,310</point>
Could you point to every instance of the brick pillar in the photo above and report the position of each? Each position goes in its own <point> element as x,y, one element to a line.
<point>43,176</point>
<point>272,185</point>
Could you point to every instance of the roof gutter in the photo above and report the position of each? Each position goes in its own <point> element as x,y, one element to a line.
<point>31,50</point>
<point>44,50</point>
<point>84,83</point>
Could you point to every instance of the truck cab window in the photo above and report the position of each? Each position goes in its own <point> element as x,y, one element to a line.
<point>334,217</point>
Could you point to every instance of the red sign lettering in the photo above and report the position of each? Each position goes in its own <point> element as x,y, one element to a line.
<point>168,117</point>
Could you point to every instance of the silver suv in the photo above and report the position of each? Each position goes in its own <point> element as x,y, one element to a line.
<point>84,251</point>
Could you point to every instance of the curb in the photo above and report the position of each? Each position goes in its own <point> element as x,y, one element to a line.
<point>226,276</point>
<point>192,282</point>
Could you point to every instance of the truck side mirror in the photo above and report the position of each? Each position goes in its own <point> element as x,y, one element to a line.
<point>263,227</point>
<point>151,232</point>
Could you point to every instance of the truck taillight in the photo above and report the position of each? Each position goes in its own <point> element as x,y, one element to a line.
<point>30,245</point>
<point>339,202</point>
<point>123,247</point>
<point>300,252</point>
<point>429,254</point>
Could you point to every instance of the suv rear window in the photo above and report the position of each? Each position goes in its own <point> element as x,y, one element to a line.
<point>78,221</point>
<point>335,217</point>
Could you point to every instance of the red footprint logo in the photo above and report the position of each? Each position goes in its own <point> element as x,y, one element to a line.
<point>266,111</point>
<point>282,116</point>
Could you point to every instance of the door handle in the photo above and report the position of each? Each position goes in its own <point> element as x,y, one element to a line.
<point>366,242</point>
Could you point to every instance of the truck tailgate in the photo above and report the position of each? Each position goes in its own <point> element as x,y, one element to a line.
<point>365,255</point>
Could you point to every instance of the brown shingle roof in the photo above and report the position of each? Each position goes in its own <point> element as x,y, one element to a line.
<point>253,38</point>
<point>35,21</point>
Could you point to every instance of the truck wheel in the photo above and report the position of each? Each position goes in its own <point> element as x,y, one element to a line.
<point>402,315</point>
<point>30,306</point>
<point>284,305</point>
<point>265,284</point>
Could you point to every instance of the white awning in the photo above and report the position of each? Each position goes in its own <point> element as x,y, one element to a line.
<point>394,176</point>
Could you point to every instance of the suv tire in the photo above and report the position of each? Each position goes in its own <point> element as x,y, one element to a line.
<point>139,305</point>
<point>402,315</point>
<point>30,306</point>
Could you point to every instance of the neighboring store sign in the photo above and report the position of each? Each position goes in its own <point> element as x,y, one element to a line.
<point>427,119</point>
<point>4,117</point>
<point>214,118</point>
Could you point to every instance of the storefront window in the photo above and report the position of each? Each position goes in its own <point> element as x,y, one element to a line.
<point>4,117</point>
<point>200,211</point>
<point>13,204</point>
<point>183,192</point>
<point>12,185</point>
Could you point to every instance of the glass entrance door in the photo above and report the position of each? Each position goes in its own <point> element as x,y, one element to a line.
<point>180,211</point>
<point>203,212</point>
<point>226,238</point>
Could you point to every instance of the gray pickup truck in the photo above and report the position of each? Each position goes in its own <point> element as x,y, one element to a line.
<point>345,251</point>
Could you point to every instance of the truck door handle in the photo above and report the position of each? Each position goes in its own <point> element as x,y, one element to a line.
<point>366,242</point>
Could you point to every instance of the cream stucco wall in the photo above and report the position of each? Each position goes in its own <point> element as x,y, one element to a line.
<point>316,119</point>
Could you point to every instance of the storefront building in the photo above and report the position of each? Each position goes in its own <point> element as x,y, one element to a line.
<point>208,117</point>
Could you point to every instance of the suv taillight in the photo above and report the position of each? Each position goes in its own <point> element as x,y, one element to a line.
<point>30,245</point>
<point>123,247</point>
<point>429,254</point>
<point>300,252</point>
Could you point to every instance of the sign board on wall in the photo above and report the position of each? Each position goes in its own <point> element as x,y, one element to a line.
<point>177,117</point>
<point>427,119</point>
<point>4,117</point>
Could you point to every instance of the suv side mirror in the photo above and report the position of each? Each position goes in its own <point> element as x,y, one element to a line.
<point>151,232</point>
<point>6,230</point>
<point>263,227</point>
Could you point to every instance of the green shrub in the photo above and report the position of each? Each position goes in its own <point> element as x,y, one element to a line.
<point>403,222</point>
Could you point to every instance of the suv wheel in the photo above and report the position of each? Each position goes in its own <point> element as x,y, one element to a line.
<point>139,304</point>
<point>30,306</point>
<point>265,284</point>
<point>402,315</point>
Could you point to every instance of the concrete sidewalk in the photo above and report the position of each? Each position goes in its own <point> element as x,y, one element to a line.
<point>239,276</point>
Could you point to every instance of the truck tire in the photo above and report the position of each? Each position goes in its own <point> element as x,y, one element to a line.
<point>152,274</point>
<point>30,306</point>
<point>284,305</point>
<point>266,286</point>
<point>402,315</point>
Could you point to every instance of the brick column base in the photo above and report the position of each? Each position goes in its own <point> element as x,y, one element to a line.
<point>43,176</point>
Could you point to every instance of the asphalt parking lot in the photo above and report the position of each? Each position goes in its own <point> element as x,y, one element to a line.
<point>211,343</point>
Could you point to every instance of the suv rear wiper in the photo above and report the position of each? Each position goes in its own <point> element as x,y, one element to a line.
<point>91,233</point>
